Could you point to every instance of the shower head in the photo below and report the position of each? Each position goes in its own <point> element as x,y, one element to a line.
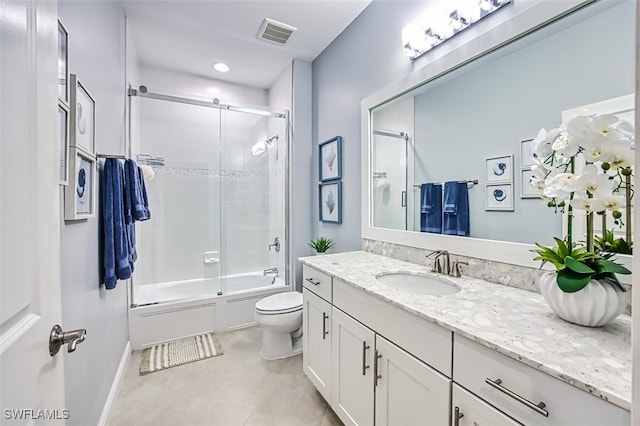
<point>260,147</point>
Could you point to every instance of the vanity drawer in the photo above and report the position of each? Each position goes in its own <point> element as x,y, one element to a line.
<point>317,282</point>
<point>491,376</point>
<point>425,340</point>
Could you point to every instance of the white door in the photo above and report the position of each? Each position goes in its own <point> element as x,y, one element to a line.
<point>352,370</point>
<point>408,391</point>
<point>316,339</point>
<point>31,381</point>
<point>469,410</point>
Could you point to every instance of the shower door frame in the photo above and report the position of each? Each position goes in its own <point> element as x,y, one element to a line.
<point>247,109</point>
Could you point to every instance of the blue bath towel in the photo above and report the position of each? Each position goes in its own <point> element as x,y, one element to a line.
<point>135,204</point>
<point>116,240</point>
<point>431,208</point>
<point>456,209</point>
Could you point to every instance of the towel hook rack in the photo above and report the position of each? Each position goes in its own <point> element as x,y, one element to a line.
<point>116,156</point>
<point>472,182</point>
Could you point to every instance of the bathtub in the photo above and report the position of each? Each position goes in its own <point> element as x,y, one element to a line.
<point>171,310</point>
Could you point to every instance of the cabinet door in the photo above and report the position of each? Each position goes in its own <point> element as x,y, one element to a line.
<point>352,365</point>
<point>316,341</point>
<point>469,410</point>
<point>408,391</point>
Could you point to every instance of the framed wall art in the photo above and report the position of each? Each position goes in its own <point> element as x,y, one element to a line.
<point>83,117</point>
<point>499,169</point>
<point>330,202</point>
<point>526,155</point>
<point>330,159</point>
<point>63,142</point>
<point>526,189</point>
<point>499,197</point>
<point>63,63</point>
<point>79,194</point>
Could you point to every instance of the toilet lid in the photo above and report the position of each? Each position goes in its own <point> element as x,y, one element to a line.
<point>281,303</point>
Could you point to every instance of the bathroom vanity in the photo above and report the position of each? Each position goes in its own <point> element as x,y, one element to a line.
<point>487,355</point>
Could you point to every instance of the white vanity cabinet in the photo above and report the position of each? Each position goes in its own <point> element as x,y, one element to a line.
<point>526,394</point>
<point>369,379</point>
<point>469,410</point>
<point>316,342</point>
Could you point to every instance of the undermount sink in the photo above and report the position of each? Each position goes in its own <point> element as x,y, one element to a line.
<point>417,283</point>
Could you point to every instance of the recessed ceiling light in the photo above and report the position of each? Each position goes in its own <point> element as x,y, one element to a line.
<point>221,66</point>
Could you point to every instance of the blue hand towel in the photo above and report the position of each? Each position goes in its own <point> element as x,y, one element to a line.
<point>136,207</point>
<point>116,245</point>
<point>431,208</point>
<point>456,208</point>
<point>143,189</point>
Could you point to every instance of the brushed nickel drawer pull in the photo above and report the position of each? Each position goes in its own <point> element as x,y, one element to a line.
<point>538,408</point>
<point>376,376</point>
<point>324,326</point>
<point>457,416</point>
<point>364,358</point>
<point>312,281</point>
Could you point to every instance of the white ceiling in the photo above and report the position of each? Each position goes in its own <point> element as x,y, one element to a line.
<point>187,36</point>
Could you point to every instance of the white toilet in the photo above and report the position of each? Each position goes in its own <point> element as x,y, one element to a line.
<point>280,316</point>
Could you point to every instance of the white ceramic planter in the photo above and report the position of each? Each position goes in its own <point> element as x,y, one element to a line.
<point>595,305</point>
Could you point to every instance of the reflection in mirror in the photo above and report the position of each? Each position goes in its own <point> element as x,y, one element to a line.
<point>459,123</point>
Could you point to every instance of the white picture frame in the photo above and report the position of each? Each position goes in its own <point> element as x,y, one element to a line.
<point>526,189</point>
<point>526,155</point>
<point>499,169</point>
<point>63,142</point>
<point>80,193</point>
<point>63,63</point>
<point>83,117</point>
<point>499,197</point>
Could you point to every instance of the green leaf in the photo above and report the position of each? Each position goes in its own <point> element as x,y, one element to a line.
<point>570,281</point>
<point>612,267</point>
<point>563,250</point>
<point>611,279</point>
<point>577,266</point>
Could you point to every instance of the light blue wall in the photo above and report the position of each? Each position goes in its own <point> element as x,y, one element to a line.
<point>487,111</point>
<point>97,55</point>
<point>365,58</point>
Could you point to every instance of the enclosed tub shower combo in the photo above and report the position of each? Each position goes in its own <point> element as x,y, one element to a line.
<point>217,243</point>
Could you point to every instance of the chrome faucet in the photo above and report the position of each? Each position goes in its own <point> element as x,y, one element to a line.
<point>275,244</point>
<point>441,267</point>
<point>270,271</point>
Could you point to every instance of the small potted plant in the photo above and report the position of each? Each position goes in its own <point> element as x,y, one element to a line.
<point>584,289</point>
<point>321,244</point>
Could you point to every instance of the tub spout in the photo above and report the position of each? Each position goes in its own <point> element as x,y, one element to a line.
<point>270,271</point>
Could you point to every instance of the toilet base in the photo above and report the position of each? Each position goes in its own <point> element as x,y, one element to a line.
<point>279,345</point>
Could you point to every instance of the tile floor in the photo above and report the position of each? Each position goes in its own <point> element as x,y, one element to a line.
<point>236,389</point>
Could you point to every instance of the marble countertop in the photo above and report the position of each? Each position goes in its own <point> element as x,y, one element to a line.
<point>514,322</point>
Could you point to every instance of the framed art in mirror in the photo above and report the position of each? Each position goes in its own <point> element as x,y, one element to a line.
<point>63,63</point>
<point>330,159</point>
<point>499,169</point>
<point>499,197</point>
<point>63,142</point>
<point>330,202</point>
<point>83,117</point>
<point>79,194</point>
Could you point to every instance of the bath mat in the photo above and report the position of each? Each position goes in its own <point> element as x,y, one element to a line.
<point>179,352</point>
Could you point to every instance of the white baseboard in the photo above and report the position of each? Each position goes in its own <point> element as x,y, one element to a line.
<point>115,386</point>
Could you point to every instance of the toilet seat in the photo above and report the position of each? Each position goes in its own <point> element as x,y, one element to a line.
<point>281,303</point>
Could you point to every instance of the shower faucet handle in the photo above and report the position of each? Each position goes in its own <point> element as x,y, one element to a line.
<point>275,245</point>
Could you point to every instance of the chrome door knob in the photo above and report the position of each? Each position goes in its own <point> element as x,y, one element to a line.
<point>58,338</point>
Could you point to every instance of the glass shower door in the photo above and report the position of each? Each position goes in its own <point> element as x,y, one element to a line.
<point>252,215</point>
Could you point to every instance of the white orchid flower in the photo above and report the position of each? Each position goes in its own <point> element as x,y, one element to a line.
<point>588,204</point>
<point>592,182</point>
<point>541,171</point>
<point>626,129</point>
<point>566,144</point>
<point>559,186</point>
<point>620,154</point>
<point>541,144</point>
<point>614,202</point>
<point>580,127</point>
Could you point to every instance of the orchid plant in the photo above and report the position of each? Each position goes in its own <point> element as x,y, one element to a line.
<point>604,145</point>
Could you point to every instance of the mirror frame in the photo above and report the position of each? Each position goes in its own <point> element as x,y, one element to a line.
<point>519,20</point>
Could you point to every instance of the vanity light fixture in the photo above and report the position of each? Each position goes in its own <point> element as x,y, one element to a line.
<point>418,38</point>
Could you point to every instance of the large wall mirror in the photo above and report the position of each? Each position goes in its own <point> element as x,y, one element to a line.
<point>471,123</point>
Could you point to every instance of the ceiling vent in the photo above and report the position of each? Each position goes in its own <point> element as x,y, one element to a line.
<point>275,32</point>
